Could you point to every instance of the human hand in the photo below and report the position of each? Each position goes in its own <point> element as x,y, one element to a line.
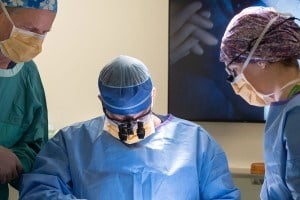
<point>10,165</point>
<point>189,27</point>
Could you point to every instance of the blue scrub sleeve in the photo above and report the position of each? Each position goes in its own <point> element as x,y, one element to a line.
<point>215,178</point>
<point>292,141</point>
<point>51,178</point>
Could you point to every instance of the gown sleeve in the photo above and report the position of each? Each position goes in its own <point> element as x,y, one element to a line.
<point>216,180</point>
<point>291,142</point>
<point>50,178</point>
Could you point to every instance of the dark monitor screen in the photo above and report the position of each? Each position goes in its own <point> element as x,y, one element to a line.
<point>198,89</point>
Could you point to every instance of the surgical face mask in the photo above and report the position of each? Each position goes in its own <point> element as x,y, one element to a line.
<point>243,88</point>
<point>22,45</point>
<point>130,131</point>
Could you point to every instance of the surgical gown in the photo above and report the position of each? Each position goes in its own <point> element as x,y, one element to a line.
<point>23,115</point>
<point>179,161</point>
<point>282,152</point>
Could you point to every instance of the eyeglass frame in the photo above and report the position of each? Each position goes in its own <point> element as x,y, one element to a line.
<point>127,118</point>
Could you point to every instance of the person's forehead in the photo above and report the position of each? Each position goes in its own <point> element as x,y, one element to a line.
<point>33,18</point>
<point>50,5</point>
<point>29,11</point>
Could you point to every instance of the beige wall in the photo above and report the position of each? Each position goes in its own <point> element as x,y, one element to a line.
<point>85,37</point>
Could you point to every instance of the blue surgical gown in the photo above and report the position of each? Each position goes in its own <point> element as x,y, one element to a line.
<point>282,152</point>
<point>179,161</point>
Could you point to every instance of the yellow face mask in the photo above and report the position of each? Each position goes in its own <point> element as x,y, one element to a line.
<point>131,132</point>
<point>243,88</point>
<point>22,45</point>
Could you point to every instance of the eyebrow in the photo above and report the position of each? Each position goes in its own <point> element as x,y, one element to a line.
<point>36,30</point>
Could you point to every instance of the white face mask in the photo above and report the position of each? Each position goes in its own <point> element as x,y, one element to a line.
<point>132,131</point>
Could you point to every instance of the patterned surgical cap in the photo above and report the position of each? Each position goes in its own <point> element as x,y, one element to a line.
<point>37,4</point>
<point>281,41</point>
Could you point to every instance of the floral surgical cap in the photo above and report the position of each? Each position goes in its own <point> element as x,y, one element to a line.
<point>37,4</point>
<point>281,41</point>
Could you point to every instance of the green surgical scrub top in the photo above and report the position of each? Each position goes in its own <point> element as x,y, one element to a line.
<point>23,115</point>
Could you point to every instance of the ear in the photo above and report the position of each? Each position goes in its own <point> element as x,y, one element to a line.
<point>100,98</point>
<point>262,64</point>
<point>153,95</point>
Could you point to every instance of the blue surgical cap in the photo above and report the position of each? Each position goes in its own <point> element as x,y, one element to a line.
<point>125,86</point>
<point>50,5</point>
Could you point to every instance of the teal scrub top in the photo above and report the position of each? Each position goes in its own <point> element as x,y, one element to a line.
<point>179,161</point>
<point>23,115</point>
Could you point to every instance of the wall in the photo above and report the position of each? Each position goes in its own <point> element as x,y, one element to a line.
<point>86,36</point>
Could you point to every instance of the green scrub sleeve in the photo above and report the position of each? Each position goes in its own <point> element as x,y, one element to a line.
<point>31,142</point>
<point>36,132</point>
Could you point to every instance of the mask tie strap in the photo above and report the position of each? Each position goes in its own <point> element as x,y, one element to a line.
<point>6,13</point>
<point>297,80</point>
<point>40,36</point>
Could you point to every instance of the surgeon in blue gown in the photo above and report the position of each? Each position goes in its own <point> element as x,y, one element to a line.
<point>130,152</point>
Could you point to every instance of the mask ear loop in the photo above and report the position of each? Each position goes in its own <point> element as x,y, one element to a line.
<point>257,43</point>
